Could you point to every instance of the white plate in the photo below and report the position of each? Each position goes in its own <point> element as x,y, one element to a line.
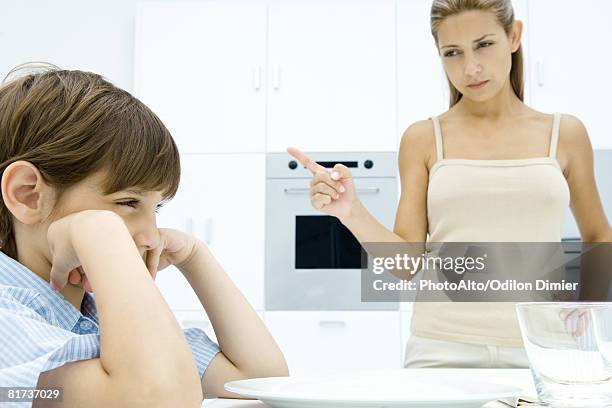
<point>400,388</point>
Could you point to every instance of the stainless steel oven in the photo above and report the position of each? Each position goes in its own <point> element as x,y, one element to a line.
<point>312,261</point>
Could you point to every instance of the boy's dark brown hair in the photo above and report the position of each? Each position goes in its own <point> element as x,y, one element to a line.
<point>71,124</point>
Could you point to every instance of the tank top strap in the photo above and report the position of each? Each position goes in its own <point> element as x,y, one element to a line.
<point>438,134</point>
<point>554,137</point>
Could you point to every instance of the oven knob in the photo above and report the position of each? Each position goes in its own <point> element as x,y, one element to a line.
<point>368,164</point>
<point>293,165</point>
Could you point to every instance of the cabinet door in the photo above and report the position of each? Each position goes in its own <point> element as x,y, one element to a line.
<point>201,67</point>
<point>320,342</point>
<point>422,86</point>
<point>571,66</point>
<point>332,82</point>
<point>221,201</point>
<point>406,320</point>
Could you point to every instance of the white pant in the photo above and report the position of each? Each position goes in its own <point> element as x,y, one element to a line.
<point>422,352</point>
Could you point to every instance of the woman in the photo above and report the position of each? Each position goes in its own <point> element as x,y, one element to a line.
<point>84,167</point>
<point>490,169</point>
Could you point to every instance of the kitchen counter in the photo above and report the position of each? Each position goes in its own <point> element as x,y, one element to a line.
<point>517,377</point>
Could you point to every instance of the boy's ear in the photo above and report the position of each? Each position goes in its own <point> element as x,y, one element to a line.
<point>25,193</point>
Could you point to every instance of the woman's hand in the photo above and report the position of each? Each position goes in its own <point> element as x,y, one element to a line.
<point>576,320</point>
<point>331,191</point>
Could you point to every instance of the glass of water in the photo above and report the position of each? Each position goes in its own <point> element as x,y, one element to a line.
<point>569,346</point>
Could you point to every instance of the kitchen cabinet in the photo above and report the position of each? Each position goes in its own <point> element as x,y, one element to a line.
<point>221,201</point>
<point>569,71</point>
<point>405,321</point>
<point>422,87</point>
<point>242,76</point>
<point>332,75</point>
<point>176,290</point>
<point>200,66</point>
<point>316,342</point>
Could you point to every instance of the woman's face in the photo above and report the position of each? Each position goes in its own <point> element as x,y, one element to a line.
<point>476,53</point>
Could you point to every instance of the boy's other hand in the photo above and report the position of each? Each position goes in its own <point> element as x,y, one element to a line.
<point>174,248</point>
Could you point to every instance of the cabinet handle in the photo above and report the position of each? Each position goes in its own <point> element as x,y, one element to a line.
<point>276,77</point>
<point>539,76</point>
<point>332,324</point>
<point>257,78</point>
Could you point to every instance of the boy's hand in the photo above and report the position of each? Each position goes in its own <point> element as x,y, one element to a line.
<point>65,264</point>
<point>174,248</point>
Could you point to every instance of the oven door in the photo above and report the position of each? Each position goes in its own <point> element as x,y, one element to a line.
<point>313,262</point>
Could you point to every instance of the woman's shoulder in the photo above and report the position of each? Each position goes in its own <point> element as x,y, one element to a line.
<point>570,125</point>
<point>418,140</point>
<point>574,147</point>
<point>419,133</point>
<point>572,129</point>
<point>573,138</point>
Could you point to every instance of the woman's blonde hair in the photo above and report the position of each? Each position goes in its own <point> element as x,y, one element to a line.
<point>71,124</point>
<point>440,9</point>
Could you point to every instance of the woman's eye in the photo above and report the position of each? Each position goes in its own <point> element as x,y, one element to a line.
<point>451,53</point>
<point>485,44</point>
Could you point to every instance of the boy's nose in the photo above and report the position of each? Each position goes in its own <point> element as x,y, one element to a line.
<point>145,241</point>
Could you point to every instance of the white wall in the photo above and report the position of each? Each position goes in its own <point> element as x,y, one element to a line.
<point>90,35</point>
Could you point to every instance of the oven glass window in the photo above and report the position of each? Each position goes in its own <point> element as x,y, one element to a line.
<point>323,242</point>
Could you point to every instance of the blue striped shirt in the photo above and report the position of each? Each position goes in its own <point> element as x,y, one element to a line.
<point>40,330</point>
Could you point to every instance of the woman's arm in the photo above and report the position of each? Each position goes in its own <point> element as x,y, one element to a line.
<point>585,202</point>
<point>336,196</point>
<point>248,349</point>
<point>411,218</point>
<point>587,209</point>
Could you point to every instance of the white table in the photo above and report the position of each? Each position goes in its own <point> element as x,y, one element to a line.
<point>516,377</point>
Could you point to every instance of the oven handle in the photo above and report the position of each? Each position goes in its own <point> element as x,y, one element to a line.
<point>365,190</point>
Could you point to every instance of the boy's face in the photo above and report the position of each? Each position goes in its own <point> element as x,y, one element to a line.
<point>474,48</point>
<point>34,206</point>
<point>136,207</point>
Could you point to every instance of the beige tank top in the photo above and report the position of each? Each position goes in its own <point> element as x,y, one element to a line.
<point>517,200</point>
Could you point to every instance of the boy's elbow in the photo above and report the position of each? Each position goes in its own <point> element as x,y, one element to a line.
<point>163,392</point>
<point>282,370</point>
<point>279,369</point>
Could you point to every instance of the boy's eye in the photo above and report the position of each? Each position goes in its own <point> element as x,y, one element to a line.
<point>135,203</point>
<point>131,203</point>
